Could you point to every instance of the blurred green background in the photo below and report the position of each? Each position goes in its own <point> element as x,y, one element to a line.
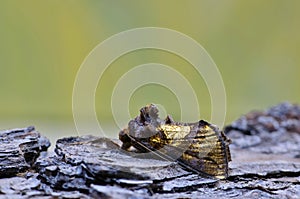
<point>255,44</point>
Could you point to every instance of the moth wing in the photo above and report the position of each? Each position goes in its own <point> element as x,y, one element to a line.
<point>208,153</point>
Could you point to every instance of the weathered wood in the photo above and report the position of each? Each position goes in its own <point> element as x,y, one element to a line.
<point>265,164</point>
<point>19,149</point>
<point>265,149</point>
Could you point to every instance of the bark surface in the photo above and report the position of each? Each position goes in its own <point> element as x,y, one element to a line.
<point>265,163</point>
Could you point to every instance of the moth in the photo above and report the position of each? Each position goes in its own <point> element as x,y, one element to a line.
<point>200,147</point>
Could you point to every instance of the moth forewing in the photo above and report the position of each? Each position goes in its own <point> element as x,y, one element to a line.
<point>175,132</point>
<point>203,141</point>
<point>176,136</point>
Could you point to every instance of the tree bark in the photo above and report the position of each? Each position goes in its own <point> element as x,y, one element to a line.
<point>265,163</point>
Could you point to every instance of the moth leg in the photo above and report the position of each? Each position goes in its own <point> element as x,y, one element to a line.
<point>123,136</point>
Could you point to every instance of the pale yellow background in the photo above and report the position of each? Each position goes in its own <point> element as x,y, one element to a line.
<point>255,44</point>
